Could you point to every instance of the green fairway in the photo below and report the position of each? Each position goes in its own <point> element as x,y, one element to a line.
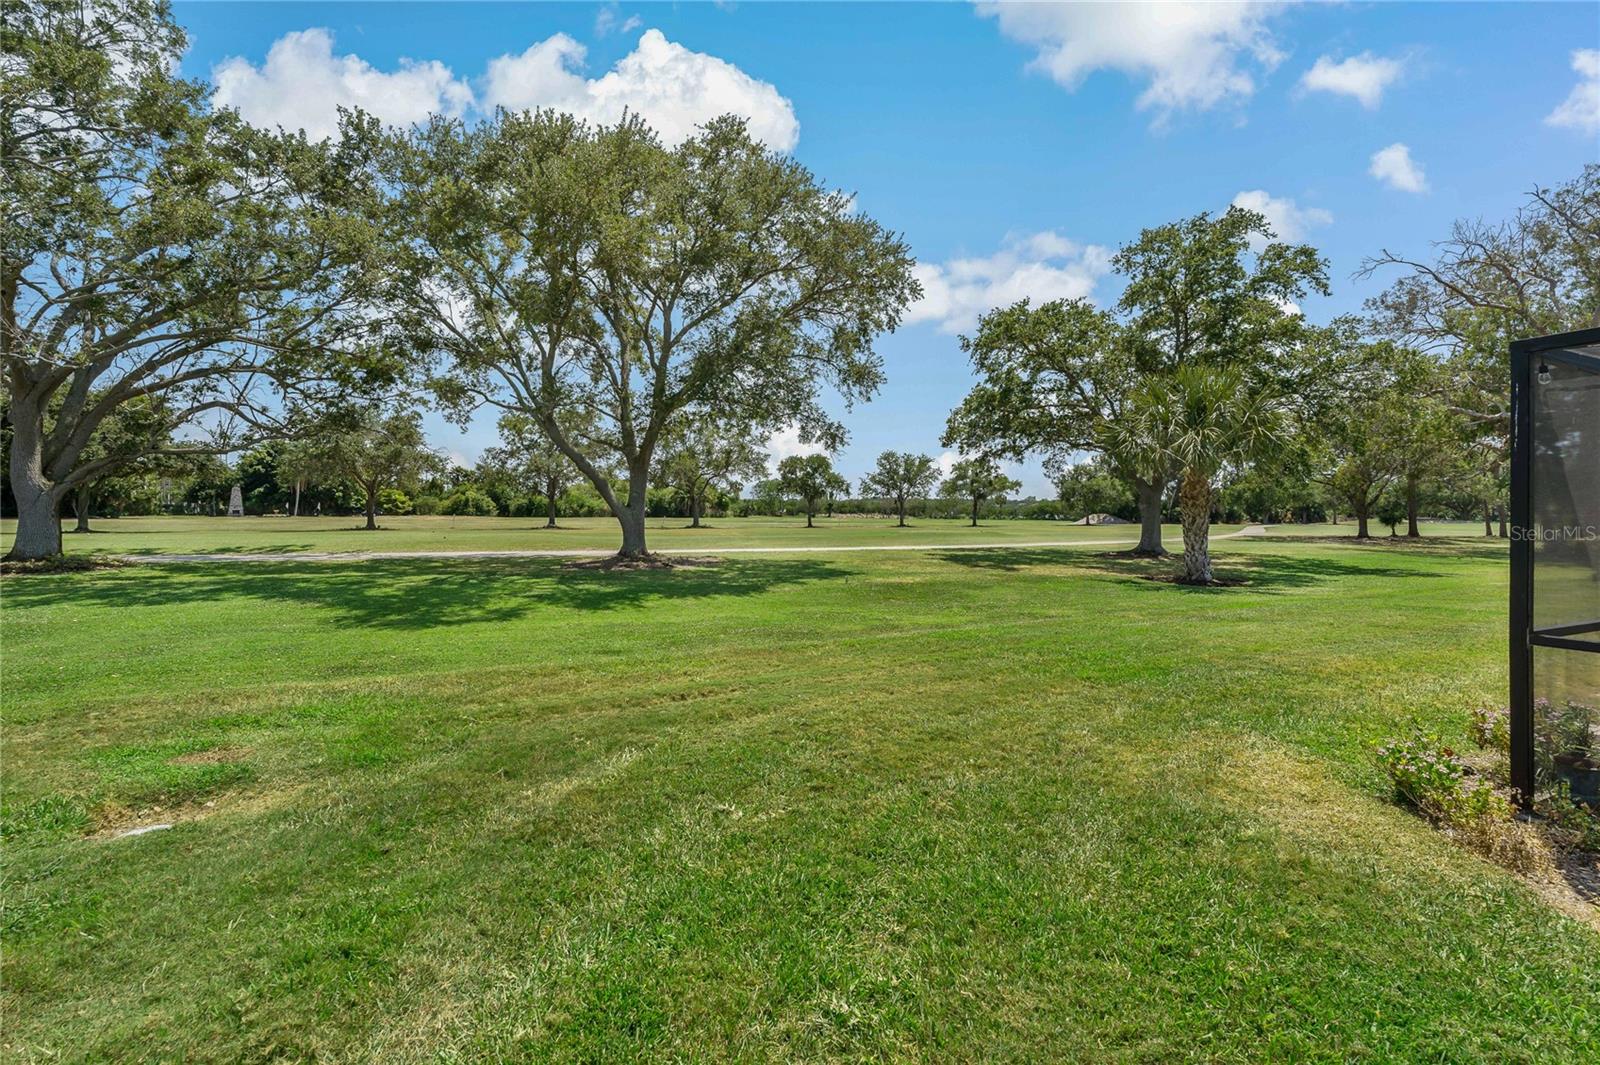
<point>137,536</point>
<point>270,534</point>
<point>990,804</point>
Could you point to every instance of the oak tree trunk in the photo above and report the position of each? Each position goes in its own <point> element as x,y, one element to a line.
<point>38,501</point>
<point>1412,528</point>
<point>82,499</point>
<point>372,506</point>
<point>1149,496</point>
<point>630,515</point>
<point>974,512</point>
<point>550,490</point>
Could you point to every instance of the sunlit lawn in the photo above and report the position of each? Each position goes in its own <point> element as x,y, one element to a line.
<point>1023,805</point>
<point>194,535</point>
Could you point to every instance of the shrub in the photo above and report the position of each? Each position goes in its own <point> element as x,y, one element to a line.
<point>469,502</point>
<point>394,501</point>
<point>1431,777</point>
<point>427,504</point>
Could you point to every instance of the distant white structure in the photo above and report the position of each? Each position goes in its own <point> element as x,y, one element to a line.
<point>1102,519</point>
<point>236,503</point>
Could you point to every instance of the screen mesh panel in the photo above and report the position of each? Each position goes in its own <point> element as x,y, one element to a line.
<point>1566,712</point>
<point>1566,500</point>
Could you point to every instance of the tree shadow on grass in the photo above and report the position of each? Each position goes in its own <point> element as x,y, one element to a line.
<point>1429,546</point>
<point>1257,572</point>
<point>260,549</point>
<point>416,593</point>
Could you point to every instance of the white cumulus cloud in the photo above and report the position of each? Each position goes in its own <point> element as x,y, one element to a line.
<point>1288,220</point>
<point>1192,55</point>
<point>1363,76</point>
<point>672,88</point>
<point>1395,168</point>
<point>1042,266</point>
<point>1581,109</point>
<point>303,84</point>
<point>783,443</point>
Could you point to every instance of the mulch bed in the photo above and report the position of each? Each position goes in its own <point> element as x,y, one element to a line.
<point>60,564</point>
<point>617,563</point>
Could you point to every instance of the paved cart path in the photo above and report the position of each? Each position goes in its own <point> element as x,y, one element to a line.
<point>602,552</point>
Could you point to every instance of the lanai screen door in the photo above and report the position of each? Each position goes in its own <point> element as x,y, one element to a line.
<point>1555,565</point>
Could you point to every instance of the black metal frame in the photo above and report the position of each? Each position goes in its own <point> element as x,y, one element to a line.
<point>1525,356</point>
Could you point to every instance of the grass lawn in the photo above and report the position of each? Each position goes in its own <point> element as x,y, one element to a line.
<point>165,535</point>
<point>1002,805</point>
<point>269,534</point>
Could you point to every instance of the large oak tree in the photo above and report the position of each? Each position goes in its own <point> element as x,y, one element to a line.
<point>557,266</point>
<point>1209,290</point>
<point>901,476</point>
<point>977,479</point>
<point>155,251</point>
<point>813,479</point>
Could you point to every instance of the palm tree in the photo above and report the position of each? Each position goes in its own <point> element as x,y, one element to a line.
<point>1200,419</point>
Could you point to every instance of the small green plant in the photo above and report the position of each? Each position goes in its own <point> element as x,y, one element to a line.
<point>1576,824</point>
<point>1391,511</point>
<point>1424,771</point>
<point>1491,728</point>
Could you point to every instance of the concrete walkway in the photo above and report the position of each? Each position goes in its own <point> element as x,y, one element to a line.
<point>602,552</point>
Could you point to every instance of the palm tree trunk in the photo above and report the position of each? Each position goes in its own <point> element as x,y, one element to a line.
<point>1194,502</point>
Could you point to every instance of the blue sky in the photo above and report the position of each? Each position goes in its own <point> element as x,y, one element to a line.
<point>1014,147</point>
